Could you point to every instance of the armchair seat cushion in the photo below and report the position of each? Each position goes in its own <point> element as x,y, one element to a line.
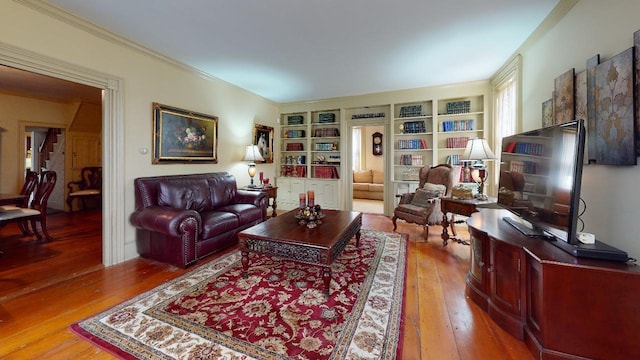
<point>412,209</point>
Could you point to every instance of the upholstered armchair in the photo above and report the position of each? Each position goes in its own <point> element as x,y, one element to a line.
<point>420,206</point>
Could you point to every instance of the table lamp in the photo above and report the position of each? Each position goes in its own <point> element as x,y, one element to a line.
<point>252,154</point>
<point>478,150</point>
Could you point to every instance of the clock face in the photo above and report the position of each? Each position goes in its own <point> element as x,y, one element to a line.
<point>377,140</point>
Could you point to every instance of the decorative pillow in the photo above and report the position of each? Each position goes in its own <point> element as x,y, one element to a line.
<point>435,187</point>
<point>423,198</point>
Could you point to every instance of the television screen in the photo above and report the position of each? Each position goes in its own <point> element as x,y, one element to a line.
<point>540,177</point>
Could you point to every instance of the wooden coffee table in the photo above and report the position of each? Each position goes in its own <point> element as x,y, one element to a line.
<point>282,236</point>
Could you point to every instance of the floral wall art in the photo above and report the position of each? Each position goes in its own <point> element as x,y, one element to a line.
<point>183,136</point>
<point>615,117</point>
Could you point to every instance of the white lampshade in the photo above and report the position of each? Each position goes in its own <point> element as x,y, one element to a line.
<point>252,153</point>
<point>478,149</point>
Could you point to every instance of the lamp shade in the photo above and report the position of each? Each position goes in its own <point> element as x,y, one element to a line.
<point>478,149</point>
<point>252,153</point>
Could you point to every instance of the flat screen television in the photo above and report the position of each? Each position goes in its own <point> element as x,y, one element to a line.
<point>540,179</point>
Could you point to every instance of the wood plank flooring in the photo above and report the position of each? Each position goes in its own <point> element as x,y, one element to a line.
<point>64,283</point>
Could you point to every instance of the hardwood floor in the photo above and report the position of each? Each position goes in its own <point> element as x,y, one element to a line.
<point>66,283</point>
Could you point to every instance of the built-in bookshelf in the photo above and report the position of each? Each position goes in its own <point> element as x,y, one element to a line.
<point>412,139</point>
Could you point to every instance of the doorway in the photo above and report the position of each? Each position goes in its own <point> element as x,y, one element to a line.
<point>110,88</point>
<point>368,166</point>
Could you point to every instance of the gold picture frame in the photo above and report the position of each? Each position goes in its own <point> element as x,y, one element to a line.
<point>183,136</point>
<point>263,137</point>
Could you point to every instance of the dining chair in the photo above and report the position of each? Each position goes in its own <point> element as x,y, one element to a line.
<point>30,184</point>
<point>37,211</point>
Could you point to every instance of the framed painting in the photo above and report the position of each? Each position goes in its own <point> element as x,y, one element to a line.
<point>563,100</point>
<point>263,137</point>
<point>615,116</point>
<point>183,136</point>
<point>547,113</point>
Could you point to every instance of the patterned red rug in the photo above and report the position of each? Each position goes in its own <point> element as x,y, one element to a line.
<point>279,312</point>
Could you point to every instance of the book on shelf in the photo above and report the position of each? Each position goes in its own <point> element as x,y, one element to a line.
<point>414,127</point>
<point>457,125</point>
<point>295,147</point>
<point>457,142</point>
<point>416,144</point>
<point>294,134</point>
<point>325,172</point>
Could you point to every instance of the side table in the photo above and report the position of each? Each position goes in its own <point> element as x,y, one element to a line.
<point>272,194</point>
<point>464,207</point>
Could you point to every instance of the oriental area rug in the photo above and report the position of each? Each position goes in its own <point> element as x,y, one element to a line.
<point>278,312</point>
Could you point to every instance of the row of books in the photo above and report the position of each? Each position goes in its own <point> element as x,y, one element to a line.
<point>459,107</point>
<point>368,116</point>
<point>525,148</point>
<point>326,146</point>
<point>325,118</point>
<point>295,119</point>
<point>408,159</point>
<point>326,132</point>
<point>524,166</point>
<point>414,127</point>
<point>412,144</point>
<point>294,147</point>
<point>457,142</point>
<point>454,159</point>
<point>457,125</point>
<point>326,172</point>
<point>411,110</point>
<point>293,170</point>
<point>294,134</point>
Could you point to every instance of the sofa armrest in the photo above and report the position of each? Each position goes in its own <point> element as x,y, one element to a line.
<point>250,197</point>
<point>164,219</point>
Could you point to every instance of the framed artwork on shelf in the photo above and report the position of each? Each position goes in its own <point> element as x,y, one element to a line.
<point>183,136</point>
<point>263,137</point>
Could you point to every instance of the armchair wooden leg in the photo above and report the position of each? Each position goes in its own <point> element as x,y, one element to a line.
<point>393,220</point>
<point>426,232</point>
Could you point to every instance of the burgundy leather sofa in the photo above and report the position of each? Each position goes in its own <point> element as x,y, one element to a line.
<point>183,218</point>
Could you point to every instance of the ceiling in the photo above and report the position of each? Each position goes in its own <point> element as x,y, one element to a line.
<point>298,50</point>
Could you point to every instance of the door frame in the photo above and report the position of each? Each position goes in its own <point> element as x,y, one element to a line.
<point>114,222</point>
<point>385,123</point>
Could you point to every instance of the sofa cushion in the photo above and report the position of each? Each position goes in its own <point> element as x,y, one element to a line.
<point>218,222</point>
<point>362,176</point>
<point>376,187</point>
<point>246,213</point>
<point>360,187</point>
<point>185,193</point>
<point>377,176</point>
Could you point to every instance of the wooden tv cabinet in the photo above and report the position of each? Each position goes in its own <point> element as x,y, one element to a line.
<point>563,307</point>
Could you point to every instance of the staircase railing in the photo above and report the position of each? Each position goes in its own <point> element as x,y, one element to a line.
<point>46,147</point>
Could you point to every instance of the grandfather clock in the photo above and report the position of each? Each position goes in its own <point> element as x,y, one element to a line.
<point>377,143</point>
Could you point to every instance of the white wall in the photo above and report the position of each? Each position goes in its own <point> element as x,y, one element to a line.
<point>591,27</point>
<point>146,79</point>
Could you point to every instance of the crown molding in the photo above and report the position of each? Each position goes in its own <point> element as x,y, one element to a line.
<point>84,25</point>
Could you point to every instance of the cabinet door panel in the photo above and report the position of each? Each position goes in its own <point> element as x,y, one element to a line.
<point>505,278</point>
